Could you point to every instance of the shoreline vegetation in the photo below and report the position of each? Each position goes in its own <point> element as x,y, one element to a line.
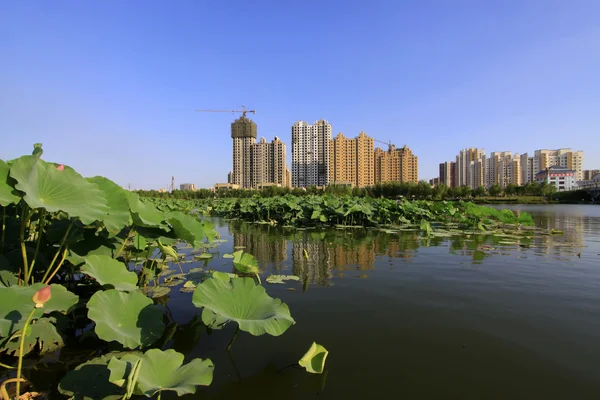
<point>532,193</point>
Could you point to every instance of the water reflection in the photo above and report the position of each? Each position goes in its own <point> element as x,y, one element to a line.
<point>317,255</point>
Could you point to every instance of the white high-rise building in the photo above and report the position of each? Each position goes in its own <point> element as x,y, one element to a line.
<point>470,167</point>
<point>310,153</point>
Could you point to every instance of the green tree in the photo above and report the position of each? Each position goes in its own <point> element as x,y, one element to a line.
<point>510,189</point>
<point>479,191</point>
<point>495,190</point>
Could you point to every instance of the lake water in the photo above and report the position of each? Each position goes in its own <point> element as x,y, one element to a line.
<point>403,317</point>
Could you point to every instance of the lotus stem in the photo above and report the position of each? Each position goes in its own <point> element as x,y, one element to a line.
<point>3,390</point>
<point>7,366</point>
<point>259,281</point>
<point>233,338</point>
<point>62,259</point>
<point>62,243</point>
<point>24,218</point>
<point>124,243</point>
<point>37,246</point>
<point>21,346</point>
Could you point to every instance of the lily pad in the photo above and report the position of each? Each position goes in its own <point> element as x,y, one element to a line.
<point>41,331</point>
<point>203,256</point>
<point>245,263</point>
<point>16,303</point>
<point>128,318</point>
<point>54,189</point>
<point>7,191</point>
<point>242,301</point>
<point>164,371</point>
<point>156,292</point>
<point>119,215</point>
<point>314,359</point>
<point>227,255</point>
<point>110,272</point>
<point>281,278</point>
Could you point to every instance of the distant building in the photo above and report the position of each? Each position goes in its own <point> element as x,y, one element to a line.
<point>310,153</point>
<point>596,178</point>
<point>563,178</point>
<point>243,134</point>
<point>187,186</point>
<point>226,186</point>
<point>588,174</point>
<point>396,165</point>
<point>561,157</point>
<point>448,173</point>
<point>352,160</point>
<point>434,182</point>
<point>470,167</point>
<point>268,163</point>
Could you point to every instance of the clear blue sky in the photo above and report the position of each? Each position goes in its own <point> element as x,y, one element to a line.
<point>110,87</point>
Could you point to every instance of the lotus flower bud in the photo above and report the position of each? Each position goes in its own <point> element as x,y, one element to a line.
<point>42,296</point>
<point>60,167</point>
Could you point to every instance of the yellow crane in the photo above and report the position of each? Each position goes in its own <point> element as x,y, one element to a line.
<point>388,143</point>
<point>243,111</point>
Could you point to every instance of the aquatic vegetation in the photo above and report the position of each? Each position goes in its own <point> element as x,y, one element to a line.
<point>83,260</point>
<point>314,359</point>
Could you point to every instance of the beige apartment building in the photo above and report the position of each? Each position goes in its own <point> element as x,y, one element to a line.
<point>561,157</point>
<point>396,165</point>
<point>243,134</point>
<point>351,161</point>
<point>268,163</point>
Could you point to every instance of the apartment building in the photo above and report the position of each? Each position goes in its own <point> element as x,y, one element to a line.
<point>268,163</point>
<point>351,161</point>
<point>243,134</point>
<point>310,153</point>
<point>563,178</point>
<point>467,173</point>
<point>561,157</point>
<point>588,174</point>
<point>187,186</point>
<point>396,165</point>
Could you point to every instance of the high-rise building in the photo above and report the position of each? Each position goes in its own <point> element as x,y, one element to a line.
<point>562,157</point>
<point>396,165</point>
<point>588,174</point>
<point>351,161</point>
<point>467,172</point>
<point>268,163</point>
<point>243,133</point>
<point>310,153</point>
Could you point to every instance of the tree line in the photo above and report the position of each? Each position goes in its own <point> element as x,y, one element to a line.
<point>390,190</point>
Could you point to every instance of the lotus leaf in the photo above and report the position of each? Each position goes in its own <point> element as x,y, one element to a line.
<point>55,190</point>
<point>7,195</point>
<point>156,292</point>
<point>204,256</point>
<point>110,272</point>
<point>164,371</point>
<point>144,214</point>
<point>7,278</point>
<point>227,256</point>
<point>281,278</point>
<point>314,359</point>
<point>139,242</point>
<point>41,331</point>
<point>128,318</point>
<point>245,262</point>
<point>242,301</point>
<point>119,215</point>
<point>187,228</point>
<point>16,303</point>
<point>90,381</point>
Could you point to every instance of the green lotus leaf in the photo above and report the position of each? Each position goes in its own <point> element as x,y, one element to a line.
<point>245,263</point>
<point>144,214</point>
<point>242,301</point>
<point>128,318</point>
<point>7,278</point>
<point>155,292</point>
<point>7,195</point>
<point>164,371</point>
<point>204,256</point>
<point>110,272</point>
<point>139,242</point>
<point>167,250</point>
<point>281,278</point>
<point>16,303</point>
<point>119,215</point>
<point>41,331</point>
<point>314,359</point>
<point>187,228</point>
<point>227,255</point>
<point>47,187</point>
<point>90,381</point>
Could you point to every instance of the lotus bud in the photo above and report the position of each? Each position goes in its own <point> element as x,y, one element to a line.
<point>60,167</point>
<point>42,296</point>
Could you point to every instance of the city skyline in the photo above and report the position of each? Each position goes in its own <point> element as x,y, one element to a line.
<point>436,76</point>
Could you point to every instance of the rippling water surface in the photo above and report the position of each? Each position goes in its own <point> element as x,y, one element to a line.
<point>478,317</point>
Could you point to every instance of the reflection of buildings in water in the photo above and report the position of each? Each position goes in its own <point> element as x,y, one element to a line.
<point>401,245</point>
<point>344,257</point>
<point>573,226</point>
<point>266,248</point>
<point>316,267</point>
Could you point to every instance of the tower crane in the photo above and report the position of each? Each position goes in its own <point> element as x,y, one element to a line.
<point>388,143</point>
<point>243,111</point>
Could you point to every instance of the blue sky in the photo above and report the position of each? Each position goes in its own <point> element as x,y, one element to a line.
<point>110,87</point>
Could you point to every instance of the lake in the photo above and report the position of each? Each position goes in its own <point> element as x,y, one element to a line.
<point>476,317</point>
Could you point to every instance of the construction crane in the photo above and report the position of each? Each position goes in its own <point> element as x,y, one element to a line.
<point>388,143</point>
<point>172,187</point>
<point>243,111</point>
